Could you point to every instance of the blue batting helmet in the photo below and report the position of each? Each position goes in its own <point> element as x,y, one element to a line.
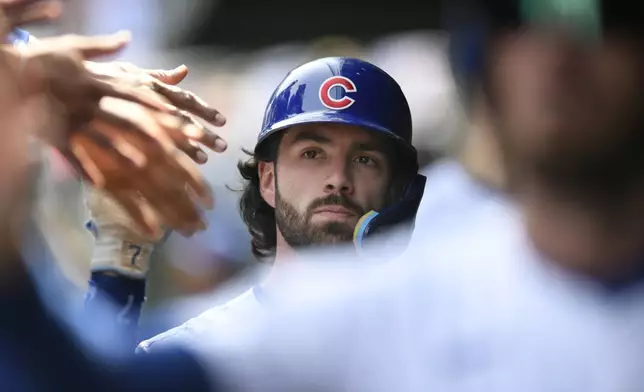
<point>340,90</point>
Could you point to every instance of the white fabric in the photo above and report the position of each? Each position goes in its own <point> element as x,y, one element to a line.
<point>194,330</point>
<point>470,307</point>
<point>447,183</point>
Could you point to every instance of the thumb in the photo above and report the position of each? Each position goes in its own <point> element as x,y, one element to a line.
<point>90,47</point>
<point>172,77</point>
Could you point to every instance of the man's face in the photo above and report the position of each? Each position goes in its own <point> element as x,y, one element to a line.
<point>568,106</point>
<point>326,177</point>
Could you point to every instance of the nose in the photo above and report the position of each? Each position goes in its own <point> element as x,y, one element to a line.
<point>340,180</point>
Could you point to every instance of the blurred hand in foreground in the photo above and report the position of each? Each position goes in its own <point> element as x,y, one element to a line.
<point>125,139</point>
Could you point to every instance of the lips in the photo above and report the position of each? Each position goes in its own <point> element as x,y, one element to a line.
<point>334,209</point>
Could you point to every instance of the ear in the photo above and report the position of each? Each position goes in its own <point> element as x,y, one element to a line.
<point>266,172</point>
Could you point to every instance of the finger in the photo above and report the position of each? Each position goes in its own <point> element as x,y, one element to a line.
<point>86,164</point>
<point>138,125</point>
<point>75,164</point>
<point>192,150</point>
<point>107,89</point>
<point>38,12</point>
<point>164,189</point>
<point>182,137</point>
<point>89,47</point>
<point>163,186</point>
<point>100,157</point>
<point>175,208</point>
<point>195,181</point>
<point>183,143</point>
<point>112,141</point>
<point>161,159</point>
<point>188,175</point>
<point>178,168</point>
<point>200,134</point>
<point>9,4</point>
<point>197,153</point>
<point>189,102</point>
<point>140,212</point>
<point>197,132</point>
<point>172,77</point>
<point>162,180</point>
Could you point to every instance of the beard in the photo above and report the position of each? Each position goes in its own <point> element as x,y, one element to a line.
<point>298,230</point>
<point>603,165</point>
<point>612,169</point>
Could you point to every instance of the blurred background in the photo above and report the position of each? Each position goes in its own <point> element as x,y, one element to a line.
<point>237,52</point>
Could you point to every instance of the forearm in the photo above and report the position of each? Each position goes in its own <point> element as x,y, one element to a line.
<point>119,266</point>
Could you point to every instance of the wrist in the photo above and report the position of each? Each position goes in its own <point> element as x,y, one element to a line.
<point>122,257</point>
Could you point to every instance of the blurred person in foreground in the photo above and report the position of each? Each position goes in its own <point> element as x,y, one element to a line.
<point>142,167</point>
<point>127,131</point>
<point>540,287</point>
<point>333,164</point>
<point>119,163</point>
<point>49,95</point>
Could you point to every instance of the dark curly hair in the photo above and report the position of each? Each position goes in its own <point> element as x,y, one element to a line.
<point>256,213</point>
<point>259,216</point>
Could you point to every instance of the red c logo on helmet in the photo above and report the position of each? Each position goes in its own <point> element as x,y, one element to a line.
<point>345,84</point>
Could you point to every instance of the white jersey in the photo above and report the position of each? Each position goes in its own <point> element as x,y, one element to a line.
<point>194,330</point>
<point>472,307</point>
<point>447,192</point>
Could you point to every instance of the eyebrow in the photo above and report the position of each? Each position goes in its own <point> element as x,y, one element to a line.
<point>377,147</point>
<point>309,135</point>
<point>303,136</point>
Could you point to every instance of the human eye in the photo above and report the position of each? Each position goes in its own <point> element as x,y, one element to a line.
<point>365,160</point>
<point>312,153</point>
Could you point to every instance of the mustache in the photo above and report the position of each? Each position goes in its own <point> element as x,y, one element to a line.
<point>336,200</point>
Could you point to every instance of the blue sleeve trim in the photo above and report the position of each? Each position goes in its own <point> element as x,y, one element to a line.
<point>43,356</point>
<point>18,37</point>
<point>125,295</point>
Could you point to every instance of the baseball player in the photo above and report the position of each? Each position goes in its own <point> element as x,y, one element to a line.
<point>537,289</point>
<point>514,301</point>
<point>333,164</point>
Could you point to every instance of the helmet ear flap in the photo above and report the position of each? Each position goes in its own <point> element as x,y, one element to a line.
<point>400,216</point>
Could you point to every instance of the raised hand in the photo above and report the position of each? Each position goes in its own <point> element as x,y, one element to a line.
<point>122,138</point>
<point>185,104</point>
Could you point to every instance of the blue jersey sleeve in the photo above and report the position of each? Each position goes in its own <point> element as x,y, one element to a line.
<point>38,354</point>
<point>18,37</point>
<point>125,296</point>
